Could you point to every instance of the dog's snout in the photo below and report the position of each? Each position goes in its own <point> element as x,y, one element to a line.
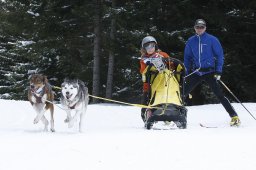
<point>32,86</point>
<point>67,93</point>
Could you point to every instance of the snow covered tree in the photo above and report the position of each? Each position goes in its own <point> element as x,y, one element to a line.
<point>15,46</point>
<point>57,37</point>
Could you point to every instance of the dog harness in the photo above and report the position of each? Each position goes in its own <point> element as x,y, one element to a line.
<point>38,94</point>
<point>72,107</point>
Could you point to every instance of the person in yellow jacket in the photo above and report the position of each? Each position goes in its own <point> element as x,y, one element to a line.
<point>149,50</point>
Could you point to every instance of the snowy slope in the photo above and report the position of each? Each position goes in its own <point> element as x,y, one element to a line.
<point>115,140</point>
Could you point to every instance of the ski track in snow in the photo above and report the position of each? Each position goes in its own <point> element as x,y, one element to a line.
<point>115,139</point>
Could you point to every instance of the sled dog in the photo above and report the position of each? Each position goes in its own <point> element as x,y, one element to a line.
<point>74,96</point>
<point>39,93</point>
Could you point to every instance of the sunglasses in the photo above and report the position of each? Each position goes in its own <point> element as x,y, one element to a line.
<point>148,46</point>
<point>199,27</point>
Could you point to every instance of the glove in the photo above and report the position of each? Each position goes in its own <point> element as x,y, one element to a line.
<point>147,61</point>
<point>158,63</point>
<point>217,76</point>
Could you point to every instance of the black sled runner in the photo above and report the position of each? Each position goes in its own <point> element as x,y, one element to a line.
<point>165,76</point>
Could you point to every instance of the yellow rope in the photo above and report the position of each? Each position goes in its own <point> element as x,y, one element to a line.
<point>131,104</point>
<point>56,87</point>
<point>116,101</point>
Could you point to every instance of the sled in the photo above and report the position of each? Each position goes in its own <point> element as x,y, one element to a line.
<point>165,77</point>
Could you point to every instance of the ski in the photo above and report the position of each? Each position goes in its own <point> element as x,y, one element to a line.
<point>165,128</point>
<point>155,128</point>
<point>205,126</point>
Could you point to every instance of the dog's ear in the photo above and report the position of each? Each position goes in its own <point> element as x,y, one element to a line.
<point>30,77</point>
<point>85,83</point>
<point>45,80</point>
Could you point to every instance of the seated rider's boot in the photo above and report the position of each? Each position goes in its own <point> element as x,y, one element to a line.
<point>143,114</point>
<point>235,121</point>
<point>144,102</point>
<point>149,122</point>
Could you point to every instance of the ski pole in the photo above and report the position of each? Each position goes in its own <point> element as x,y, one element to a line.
<point>236,98</point>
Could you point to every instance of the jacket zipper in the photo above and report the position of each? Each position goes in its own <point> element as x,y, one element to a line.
<point>199,51</point>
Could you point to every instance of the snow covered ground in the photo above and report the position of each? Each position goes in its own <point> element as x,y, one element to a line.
<point>116,140</point>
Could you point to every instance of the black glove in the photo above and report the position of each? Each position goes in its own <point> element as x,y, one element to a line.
<point>148,63</point>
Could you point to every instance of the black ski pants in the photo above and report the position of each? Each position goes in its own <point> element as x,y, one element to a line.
<point>193,80</point>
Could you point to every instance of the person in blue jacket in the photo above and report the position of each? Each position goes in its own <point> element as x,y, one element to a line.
<point>203,59</point>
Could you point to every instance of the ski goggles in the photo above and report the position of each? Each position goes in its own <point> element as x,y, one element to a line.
<point>149,46</point>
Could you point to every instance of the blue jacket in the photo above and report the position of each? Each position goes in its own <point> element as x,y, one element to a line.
<point>208,58</point>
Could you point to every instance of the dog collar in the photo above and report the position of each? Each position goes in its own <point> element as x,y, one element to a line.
<point>38,91</point>
<point>38,94</point>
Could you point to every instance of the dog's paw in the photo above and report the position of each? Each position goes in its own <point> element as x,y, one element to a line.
<point>52,130</point>
<point>66,120</point>
<point>82,130</point>
<point>46,129</point>
<point>36,120</point>
<point>71,123</point>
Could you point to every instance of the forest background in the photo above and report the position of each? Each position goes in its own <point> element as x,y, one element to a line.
<point>98,41</point>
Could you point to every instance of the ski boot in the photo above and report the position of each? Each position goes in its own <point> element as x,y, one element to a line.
<point>149,122</point>
<point>235,121</point>
<point>143,114</point>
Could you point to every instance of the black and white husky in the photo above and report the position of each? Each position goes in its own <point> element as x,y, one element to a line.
<point>74,97</point>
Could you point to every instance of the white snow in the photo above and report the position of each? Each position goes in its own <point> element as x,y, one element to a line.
<point>2,50</point>
<point>116,140</point>
<point>26,43</point>
<point>32,13</point>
